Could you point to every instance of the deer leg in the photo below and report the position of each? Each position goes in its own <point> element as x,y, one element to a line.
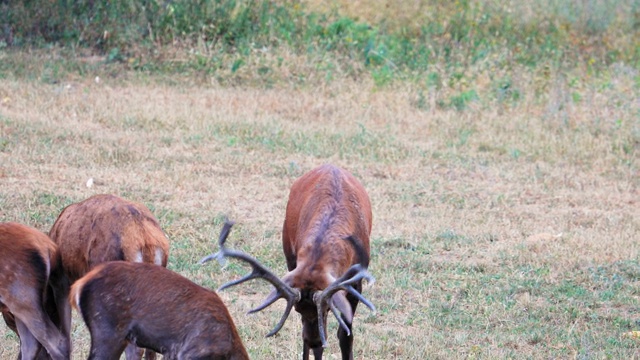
<point>62,307</point>
<point>107,348</point>
<point>10,320</point>
<point>317,352</point>
<point>11,324</point>
<point>28,343</point>
<point>149,354</point>
<point>346,340</point>
<point>36,325</point>
<point>132,352</point>
<point>305,352</point>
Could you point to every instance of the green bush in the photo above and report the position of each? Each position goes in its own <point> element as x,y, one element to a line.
<point>457,35</point>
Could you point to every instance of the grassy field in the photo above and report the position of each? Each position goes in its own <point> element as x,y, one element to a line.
<point>506,200</point>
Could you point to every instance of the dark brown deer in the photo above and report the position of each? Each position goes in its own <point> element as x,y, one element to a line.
<point>325,238</point>
<point>29,264</point>
<point>154,308</point>
<point>105,228</point>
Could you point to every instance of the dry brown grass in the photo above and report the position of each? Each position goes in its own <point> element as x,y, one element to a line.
<point>487,222</point>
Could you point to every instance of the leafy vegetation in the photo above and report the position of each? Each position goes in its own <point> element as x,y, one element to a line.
<point>443,38</point>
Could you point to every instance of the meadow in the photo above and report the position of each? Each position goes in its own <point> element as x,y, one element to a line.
<point>504,181</point>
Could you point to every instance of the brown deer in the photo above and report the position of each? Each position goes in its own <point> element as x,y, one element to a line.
<point>325,239</point>
<point>105,228</point>
<point>29,265</point>
<point>154,308</point>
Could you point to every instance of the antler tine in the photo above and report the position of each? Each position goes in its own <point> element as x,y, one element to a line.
<point>238,281</point>
<point>224,233</point>
<point>284,317</point>
<point>346,281</point>
<point>282,290</point>
<point>322,299</point>
<point>336,313</point>
<point>260,271</point>
<point>209,258</point>
<point>321,306</point>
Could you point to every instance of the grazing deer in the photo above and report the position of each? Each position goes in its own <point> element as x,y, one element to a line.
<point>326,244</point>
<point>154,308</point>
<point>105,228</point>
<point>29,265</point>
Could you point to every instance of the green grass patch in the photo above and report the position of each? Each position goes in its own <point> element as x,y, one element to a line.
<point>362,144</point>
<point>221,38</point>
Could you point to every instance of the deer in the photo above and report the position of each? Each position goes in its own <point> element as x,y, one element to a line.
<point>154,308</point>
<point>29,265</point>
<point>325,240</point>
<point>105,228</point>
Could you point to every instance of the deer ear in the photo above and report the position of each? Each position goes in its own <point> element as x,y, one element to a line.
<point>339,300</point>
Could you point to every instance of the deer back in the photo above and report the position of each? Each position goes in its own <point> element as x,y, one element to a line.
<point>326,207</point>
<point>106,228</point>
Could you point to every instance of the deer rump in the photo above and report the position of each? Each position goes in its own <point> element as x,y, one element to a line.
<point>30,265</point>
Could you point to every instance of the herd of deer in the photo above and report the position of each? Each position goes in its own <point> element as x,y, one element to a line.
<point>106,257</point>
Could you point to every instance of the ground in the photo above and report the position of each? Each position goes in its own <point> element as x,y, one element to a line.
<point>499,231</point>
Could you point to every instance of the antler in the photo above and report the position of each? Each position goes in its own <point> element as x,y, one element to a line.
<point>282,290</point>
<point>323,299</point>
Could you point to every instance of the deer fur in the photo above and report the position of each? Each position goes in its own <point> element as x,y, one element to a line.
<point>154,308</point>
<point>105,228</point>
<point>325,240</point>
<point>326,230</point>
<point>29,264</point>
